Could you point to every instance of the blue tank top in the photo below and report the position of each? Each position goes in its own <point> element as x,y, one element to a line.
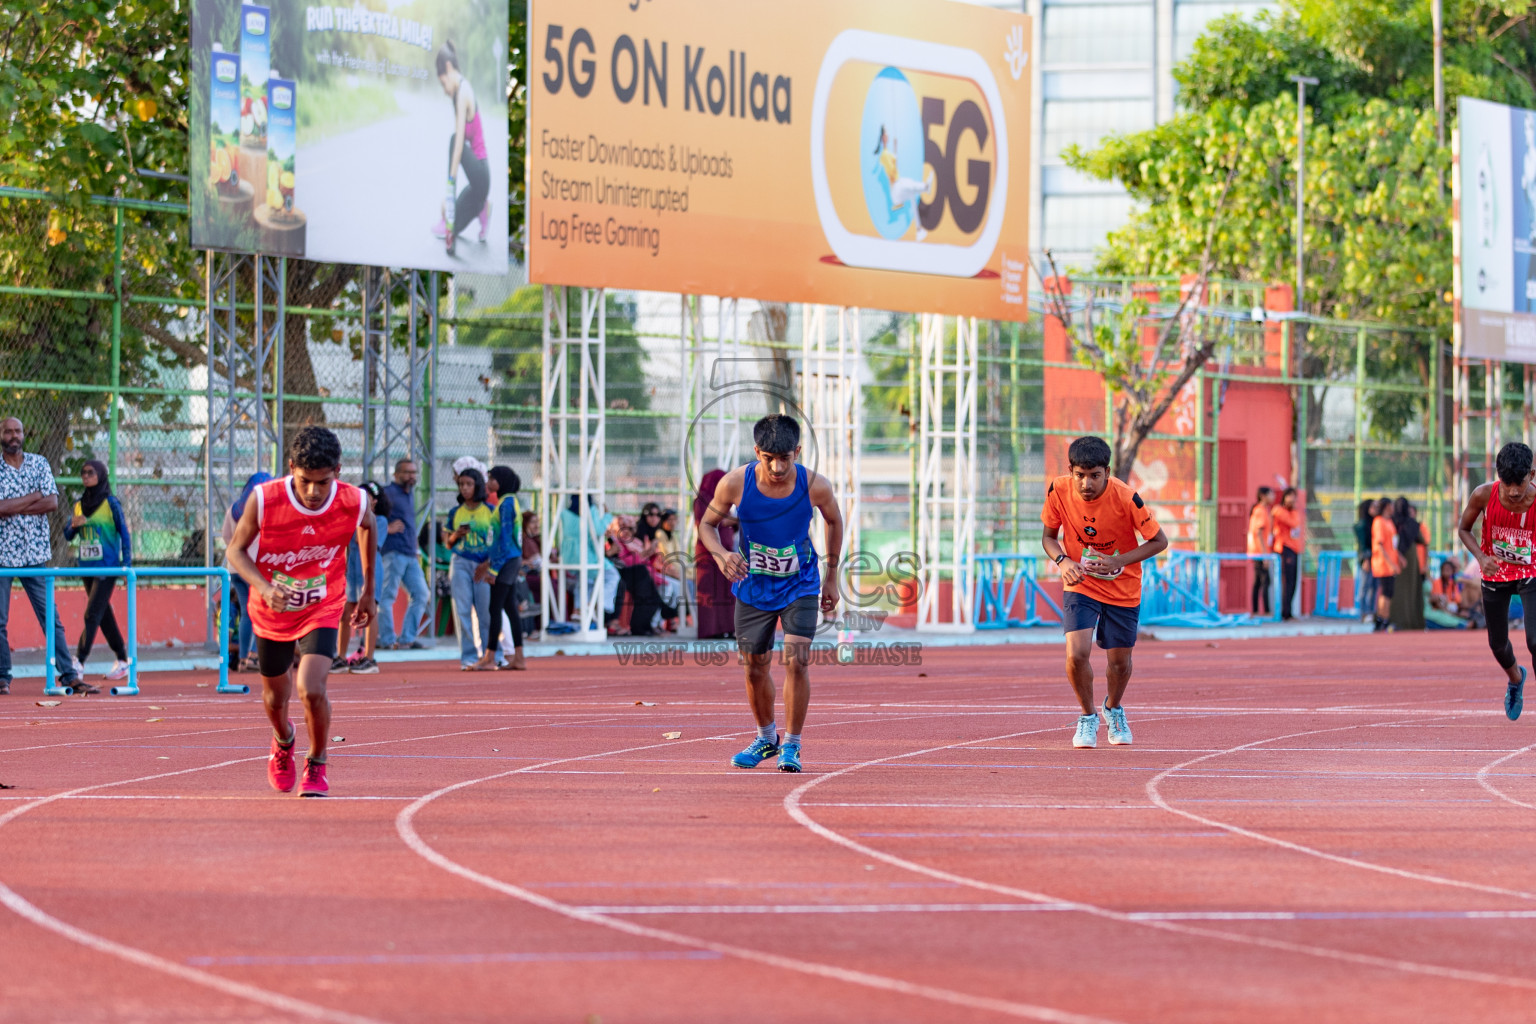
<point>775,539</point>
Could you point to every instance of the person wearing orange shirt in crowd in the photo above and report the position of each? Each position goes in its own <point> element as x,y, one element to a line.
<point>1106,533</point>
<point>1385,562</point>
<point>1260,525</point>
<point>1288,544</point>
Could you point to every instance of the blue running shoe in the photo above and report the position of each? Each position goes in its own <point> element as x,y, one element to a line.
<point>789,758</point>
<point>1514,700</point>
<point>760,751</point>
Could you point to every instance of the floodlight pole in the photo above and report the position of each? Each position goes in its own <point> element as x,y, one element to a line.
<point>1302,81</point>
<point>1436,17</point>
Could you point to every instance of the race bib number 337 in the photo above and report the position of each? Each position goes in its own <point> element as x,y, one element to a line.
<point>763,560</point>
<point>301,593</point>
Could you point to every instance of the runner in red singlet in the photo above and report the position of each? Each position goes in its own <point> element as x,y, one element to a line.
<point>291,547</point>
<point>1504,555</point>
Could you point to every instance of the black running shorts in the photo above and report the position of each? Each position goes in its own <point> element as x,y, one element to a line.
<point>1386,586</point>
<point>275,657</point>
<point>755,626</point>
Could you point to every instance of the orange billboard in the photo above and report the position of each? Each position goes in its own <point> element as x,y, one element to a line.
<point>870,153</point>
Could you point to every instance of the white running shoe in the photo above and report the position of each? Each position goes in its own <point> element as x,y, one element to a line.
<point>119,670</point>
<point>1119,728</point>
<point>1087,732</point>
<point>74,663</point>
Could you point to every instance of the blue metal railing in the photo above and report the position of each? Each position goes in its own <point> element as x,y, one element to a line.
<point>1001,581</point>
<point>132,576</point>
<point>1330,573</point>
<point>1185,590</point>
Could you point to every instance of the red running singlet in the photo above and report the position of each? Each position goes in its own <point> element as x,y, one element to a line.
<point>306,551</point>
<point>1507,539</point>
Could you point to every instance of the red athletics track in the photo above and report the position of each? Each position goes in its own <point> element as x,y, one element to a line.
<point>1335,829</point>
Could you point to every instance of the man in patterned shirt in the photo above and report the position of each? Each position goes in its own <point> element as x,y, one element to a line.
<point>27,495</point>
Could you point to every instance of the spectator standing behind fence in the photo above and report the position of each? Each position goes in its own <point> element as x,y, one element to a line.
<point>1385,563</point>
<point>1289,544</point>
<point>471,534</point>
<point>503,568</point>
<point>27,494</point>
<point>237,583</point>
<point>1260,525</point>
<point>101,533</point>
<point>361,663</point>
<point>533,571</point>
<point>400,558</point>
<point>716,603</point>
<point>1408,598</point>
<point>1365,583</point>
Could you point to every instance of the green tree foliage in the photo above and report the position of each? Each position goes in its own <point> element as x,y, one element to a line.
<point>1377,203</point>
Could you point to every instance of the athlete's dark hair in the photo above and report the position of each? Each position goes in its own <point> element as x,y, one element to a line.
<point>776,434</point>
<point>473,474</point>
<point>381,504</point>
<point>1287,493</point>
<point>1514,463</point>
<point>1088,453</point>
<point>1366,511</point>
<point>315,448</point>
<point>1258,498</point>
<point>446,55</point>
<point>507,481</point>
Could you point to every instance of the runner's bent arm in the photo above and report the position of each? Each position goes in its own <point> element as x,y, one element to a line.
<point>366,605</point>
<point>1476,505</point>
<point>832,516</point>
<point>1143,551</point>
<point>239,558</point>
<point>1071,569</point>
<point>727,494</point>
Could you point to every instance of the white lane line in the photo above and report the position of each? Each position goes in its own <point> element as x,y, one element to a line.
<point>793,806</point>
<point>1483,772</point>
<point>827,908</point>
<point>14,902</point>
<point>406,827</point>
<point>1155,795</point>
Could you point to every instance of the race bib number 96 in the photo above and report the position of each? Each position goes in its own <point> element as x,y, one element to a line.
<point>301,593</point>
<point>1513,554</point>
<point>763,560</point>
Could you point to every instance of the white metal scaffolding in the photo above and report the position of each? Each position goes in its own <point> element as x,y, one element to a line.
<point>713,384</point>
<point>947,474</point>
<point>832,403</point>
<point>572,462</point>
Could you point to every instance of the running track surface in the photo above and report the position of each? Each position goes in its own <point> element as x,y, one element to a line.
<point>1335,829</point>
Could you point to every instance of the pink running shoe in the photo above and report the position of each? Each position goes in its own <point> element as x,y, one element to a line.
<point>441,230</point>
<point>280,770</point>
<point>314,783</point>
<point>485,219</point>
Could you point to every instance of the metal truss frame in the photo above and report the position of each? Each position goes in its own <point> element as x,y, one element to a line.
<point>573,451</point>
<point>947,473</point>
<point>832,403</point>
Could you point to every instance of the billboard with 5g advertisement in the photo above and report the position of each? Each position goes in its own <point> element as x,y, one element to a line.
<point>868,153</point>
<point>1496,236</point>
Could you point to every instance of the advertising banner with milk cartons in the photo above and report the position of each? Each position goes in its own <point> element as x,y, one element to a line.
<point>866,153</point>
<point>371,133</point>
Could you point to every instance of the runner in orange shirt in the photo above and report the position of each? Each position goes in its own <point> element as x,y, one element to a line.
<point>1289,545</point>
<point>1260,526</point>
<point>1107,533</point>
<point>1385,563</point>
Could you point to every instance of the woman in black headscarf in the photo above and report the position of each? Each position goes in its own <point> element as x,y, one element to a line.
<point>1408,592</point>
<point>101,529</point>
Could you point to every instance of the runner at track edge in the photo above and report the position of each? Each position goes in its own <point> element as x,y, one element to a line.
<point>290,546</point>
<point>1504,556</point>
<point>1100,562</point>
<point>777,580</point>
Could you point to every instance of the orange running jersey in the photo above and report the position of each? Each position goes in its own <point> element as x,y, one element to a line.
<point>1114,524</point>
<point>1260,526</point>
<point>1287,530</point>
<point>306,551</point>
<point>1384,558</point>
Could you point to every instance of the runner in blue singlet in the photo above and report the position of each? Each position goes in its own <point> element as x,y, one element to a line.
<point>775,577</point>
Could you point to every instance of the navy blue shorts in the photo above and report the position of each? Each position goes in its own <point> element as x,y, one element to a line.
<point>1113,625</point>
